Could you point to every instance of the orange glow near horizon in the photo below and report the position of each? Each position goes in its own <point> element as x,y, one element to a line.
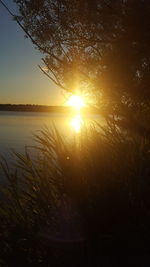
<point>76,102</point>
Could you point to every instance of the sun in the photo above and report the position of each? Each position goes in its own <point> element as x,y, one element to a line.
<point>76,101</point>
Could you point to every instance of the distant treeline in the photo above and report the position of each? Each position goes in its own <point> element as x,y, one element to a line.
<point>40,108</point>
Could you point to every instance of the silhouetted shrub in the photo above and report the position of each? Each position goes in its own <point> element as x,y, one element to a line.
<point>93,190</point>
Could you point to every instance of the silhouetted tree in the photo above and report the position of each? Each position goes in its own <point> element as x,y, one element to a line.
<point>98,46</point>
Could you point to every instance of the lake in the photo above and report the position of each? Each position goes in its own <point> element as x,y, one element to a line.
<point>17,128</point>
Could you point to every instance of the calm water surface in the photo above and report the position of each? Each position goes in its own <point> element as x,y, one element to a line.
<point>17,128</point>
<point>16,131</point>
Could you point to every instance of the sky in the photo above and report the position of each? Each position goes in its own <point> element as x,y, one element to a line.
<point>21,81</point>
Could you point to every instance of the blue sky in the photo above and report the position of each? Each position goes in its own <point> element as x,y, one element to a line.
<point>21,81</point>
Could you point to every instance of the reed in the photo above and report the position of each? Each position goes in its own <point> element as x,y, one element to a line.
<point>102,172</point>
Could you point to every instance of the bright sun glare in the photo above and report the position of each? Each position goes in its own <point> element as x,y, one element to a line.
<point>76,123</point>
<point>76,101</point>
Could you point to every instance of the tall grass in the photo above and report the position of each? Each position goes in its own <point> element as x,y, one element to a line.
<point>103,175</point>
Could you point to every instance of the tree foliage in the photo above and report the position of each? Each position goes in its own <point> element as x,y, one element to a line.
<point>99,46</point>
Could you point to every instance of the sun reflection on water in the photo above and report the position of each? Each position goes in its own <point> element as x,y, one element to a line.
<point>77,122</point>
<point>77,102</point>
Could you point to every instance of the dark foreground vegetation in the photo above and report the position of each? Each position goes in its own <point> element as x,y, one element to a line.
<point>83,203</point>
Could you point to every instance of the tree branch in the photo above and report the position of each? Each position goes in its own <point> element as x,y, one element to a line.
<point>53,80</point>
<point>28,34</point>
<point>51,70</point>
